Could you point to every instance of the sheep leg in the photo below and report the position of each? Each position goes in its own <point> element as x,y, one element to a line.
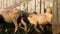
<point>20,26</point>
<point>41,27</point>
<point>25,26</point>
<point>16,25</point>
<point>36,28</point>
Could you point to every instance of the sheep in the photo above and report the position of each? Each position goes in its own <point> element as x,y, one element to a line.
<point>40,19</point>
<point>25,21</point>
<point>11,16</point>
<point>33,20</point>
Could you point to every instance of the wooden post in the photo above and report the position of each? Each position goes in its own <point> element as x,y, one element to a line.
<point>42,6</point>
<point>55,20</point>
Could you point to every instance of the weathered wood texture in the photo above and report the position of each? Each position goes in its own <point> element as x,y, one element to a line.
<point>7,3</point>
<point>56,14</point>
<point>26,5</point>
<point>58,7</point>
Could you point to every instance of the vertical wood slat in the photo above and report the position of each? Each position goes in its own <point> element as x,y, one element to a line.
<point>14,1</point>
<point>7,3</point>
<point>38,6</point>
<point>28,6</point>
<point>33,5</point>
<point>2,3</point>
<point>42,6</point>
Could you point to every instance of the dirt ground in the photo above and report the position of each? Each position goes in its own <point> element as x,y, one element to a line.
<point>20,31</point>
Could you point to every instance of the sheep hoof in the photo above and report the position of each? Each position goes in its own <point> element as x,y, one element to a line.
<point>16,28</point>
<point>21,27</point>
<point>37,30</point>
<point>6,30</point>
<point>28,30</point>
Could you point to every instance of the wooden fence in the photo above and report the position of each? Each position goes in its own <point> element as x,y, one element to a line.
<point>26,5</point>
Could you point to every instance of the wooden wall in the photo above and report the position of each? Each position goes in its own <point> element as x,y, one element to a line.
<point>7,3</point>
<point>29,6</point>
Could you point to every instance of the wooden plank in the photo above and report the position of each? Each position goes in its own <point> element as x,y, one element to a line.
<point>55,20</point>
<point>42,6</point>
<point>59,11</point>
<point>38,6</point>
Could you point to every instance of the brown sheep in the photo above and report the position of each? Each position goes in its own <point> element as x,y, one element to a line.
<point>34,21</point>
<point>11,16</point>
<point>40,19</point>
<point>24,24</point>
